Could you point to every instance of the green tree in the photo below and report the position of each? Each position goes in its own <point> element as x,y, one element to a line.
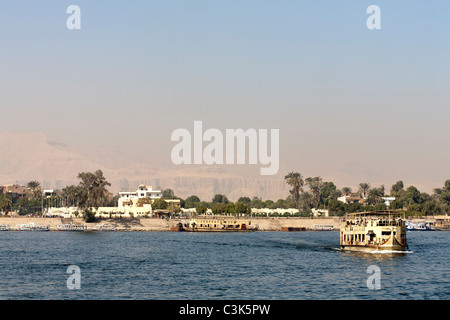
<point>396,187</point>
<point>160,204</point>
<point>315,184</point>
<point>191,201</point>
<point>257,203</point>
<point>220,198</point>
<point>375,196</point>
<point>346,191</point>
<point>73,194</point>
<point>93,192</point>
<point>35,190</point>
<point>242,208</point>
<point>5,202</point>
<point>88,215</point>
<point>201,208</point>
<point>329,192</point>
<point>364,188</point>
<point>295,180</point>
<point>145,200</point>
<point>218,207</point>
<point>244,200</point>
<point>168,194</point>
<point>230,208</point>
<point>306,201</point>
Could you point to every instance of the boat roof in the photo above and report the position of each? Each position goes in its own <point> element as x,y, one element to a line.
<point>377,213</point>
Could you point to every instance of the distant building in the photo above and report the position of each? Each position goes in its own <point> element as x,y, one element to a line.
<point>130,199</point>
<point>49,193</point>
<point>351,199</point>
<point>15,191</point>
<point>388,200</point>
<point>320,212</point>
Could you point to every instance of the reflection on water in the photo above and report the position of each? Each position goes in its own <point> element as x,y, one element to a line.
<point>258,265</point>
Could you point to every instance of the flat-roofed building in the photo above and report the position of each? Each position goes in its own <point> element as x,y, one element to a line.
<point>130,198</point>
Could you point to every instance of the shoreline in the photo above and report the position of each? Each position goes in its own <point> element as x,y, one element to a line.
<point>162,225</point>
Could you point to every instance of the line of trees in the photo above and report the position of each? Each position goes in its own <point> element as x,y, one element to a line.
<point>313,192</point>
<point>90,192</point>
<point>304,195</point>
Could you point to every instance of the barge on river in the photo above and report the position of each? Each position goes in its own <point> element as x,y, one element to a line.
<point>374,231</point>
<point>216,225</point>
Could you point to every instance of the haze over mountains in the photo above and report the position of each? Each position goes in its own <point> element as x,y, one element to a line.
<point>33,156</point>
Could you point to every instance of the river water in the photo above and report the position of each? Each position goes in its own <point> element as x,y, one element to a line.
<point>218,266</point>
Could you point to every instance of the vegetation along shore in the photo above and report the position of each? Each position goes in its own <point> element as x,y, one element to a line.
<point>310,197</point>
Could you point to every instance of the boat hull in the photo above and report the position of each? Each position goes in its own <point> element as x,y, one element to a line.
<point>216,230</point>
<point>371,248</point>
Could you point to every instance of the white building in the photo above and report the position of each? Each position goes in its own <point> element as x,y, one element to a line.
<point>350,199</point>
<point>320,212</point>
<point>49,193</point>
<point>129,199</point>
<point>388,200</point>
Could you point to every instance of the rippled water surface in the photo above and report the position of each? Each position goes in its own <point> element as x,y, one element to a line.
<point>258,265</point>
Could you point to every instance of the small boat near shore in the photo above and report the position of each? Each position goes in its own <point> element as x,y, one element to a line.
<point>71,227</point>
<point>103,228</point>
<point>419,226</point>
<point>322,227</point>
<point>5,227</point>
<point>32,227</point>
<point>290,229</point>
<point>215,225</point>
<point>374,231</point>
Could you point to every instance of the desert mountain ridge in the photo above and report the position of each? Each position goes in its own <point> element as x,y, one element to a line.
<point>26,156</point>
<point>32,156</point>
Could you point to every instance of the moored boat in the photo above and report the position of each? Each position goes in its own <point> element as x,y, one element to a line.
<point>419,226</point>
<point>322,227</point>
<point>103,227</point>
<point>5,227</point>
<point>216,225</point>
<point>373,231</point>
<point>71,227</point>
<point>289,229</point>
<point>32,227</point>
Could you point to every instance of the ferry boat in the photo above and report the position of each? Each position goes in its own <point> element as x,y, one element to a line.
<point>103,227</point>
<point>32,227</point>
<point>4,227</point>
<point>71,227</point>
<point>373,231</point>
<point>216,225</point>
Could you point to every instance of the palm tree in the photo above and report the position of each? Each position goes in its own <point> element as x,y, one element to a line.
<point>295,180</point>
<point>315,185</point>
<point>5,202</point>
<point>364,188</point>
<point>346,191</point>
<point>35,190</point>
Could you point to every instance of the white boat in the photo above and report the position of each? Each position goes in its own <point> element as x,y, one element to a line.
<point>419,226</point>
<point>103,227</point>
<point>322,227</point>
<point>32,227</point>
<point>71,227</point>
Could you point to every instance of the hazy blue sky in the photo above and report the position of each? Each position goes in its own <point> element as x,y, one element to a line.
<point>348,101</point>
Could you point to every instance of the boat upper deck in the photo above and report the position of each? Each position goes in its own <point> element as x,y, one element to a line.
<point>374,219</point>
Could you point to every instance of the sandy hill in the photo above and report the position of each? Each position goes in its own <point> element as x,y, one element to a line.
<point>31,156</point>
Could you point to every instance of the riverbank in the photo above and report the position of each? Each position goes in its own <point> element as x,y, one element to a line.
<point>152,224</point>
